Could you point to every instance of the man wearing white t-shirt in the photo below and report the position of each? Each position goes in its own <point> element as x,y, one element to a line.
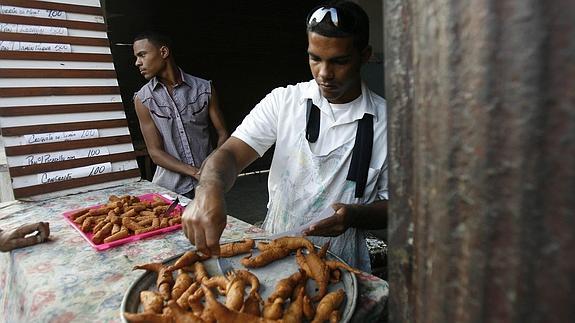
<point>331,147</point>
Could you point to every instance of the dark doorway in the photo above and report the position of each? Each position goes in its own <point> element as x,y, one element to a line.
<point>246,48</point>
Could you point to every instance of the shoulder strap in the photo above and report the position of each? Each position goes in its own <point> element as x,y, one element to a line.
<point>361,155</point>
<point>312,122</point>
<point>362,149</point>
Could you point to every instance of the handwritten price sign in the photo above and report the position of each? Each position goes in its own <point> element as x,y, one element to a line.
<point>78,172</point>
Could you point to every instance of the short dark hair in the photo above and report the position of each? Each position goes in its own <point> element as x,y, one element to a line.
<point>155,37</point>
<point>353,21</point>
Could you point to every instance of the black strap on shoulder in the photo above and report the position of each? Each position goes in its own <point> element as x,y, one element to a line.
<point>312,122</point>
<point>361,155</point>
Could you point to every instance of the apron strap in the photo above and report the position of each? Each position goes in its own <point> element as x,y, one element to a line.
<point>361,156</point>
<point>362,149</point>
<point>312,122</point>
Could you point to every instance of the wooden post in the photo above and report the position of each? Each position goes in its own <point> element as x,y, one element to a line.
<point>481,98</point>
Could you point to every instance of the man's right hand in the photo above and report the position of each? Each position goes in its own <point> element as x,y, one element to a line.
<point>204,219</point>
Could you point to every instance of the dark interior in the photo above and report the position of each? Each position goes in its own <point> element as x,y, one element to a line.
<point>246,48</point>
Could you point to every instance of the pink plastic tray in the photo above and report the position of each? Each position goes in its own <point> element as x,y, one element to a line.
<point>146,197</point>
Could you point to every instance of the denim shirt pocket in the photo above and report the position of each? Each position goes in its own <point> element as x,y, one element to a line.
<point>196,112</point>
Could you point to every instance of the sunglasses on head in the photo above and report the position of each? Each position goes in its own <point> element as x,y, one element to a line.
<point>318,15</point>
<point>339,18</point>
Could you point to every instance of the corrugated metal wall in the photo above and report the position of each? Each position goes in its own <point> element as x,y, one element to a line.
<point>482,142</point>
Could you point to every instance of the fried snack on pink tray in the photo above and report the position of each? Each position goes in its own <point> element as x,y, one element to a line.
<point>117,236</point>
<point>103,233</point>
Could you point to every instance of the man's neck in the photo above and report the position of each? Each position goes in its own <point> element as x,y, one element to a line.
<point>171,76</point>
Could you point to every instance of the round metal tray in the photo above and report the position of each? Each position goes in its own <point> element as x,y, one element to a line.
<point>268,276</point>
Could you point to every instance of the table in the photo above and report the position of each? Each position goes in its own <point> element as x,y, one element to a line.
<point>66,280</point>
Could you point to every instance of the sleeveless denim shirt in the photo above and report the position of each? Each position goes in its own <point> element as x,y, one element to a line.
<point>183,123</point>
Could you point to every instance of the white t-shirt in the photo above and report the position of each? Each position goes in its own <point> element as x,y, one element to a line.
<point>281,116</point>
<point>306,178</point>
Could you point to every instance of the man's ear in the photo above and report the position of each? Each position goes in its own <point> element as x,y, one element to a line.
<point>165,52</point>
<point>366,54</point>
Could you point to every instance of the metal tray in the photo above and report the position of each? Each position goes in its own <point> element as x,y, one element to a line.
<point>268,276</point>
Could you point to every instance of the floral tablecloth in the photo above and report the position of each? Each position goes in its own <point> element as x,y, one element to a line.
<point>66,280</point>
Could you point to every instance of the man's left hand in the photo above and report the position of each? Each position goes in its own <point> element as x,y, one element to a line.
<point>334,225</point>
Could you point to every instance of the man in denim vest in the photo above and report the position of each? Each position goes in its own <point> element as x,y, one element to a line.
<point>175,110</point>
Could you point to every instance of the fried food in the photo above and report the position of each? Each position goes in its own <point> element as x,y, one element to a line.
<point>192,298</point>
<point>265,257</point>
<point>103,233</point>
<point>316,269</point>
<point>294,313</point>
<point>225,315</point>
<point>200,272</point>
<point>252,304</point>
<point>285,287</point>
<point>308,309</point>
<point>235,291</point>
<point>183,300</point>
<point>182,316</point>
<point>219,282</point>
<point>236,248</point>
<point>151,301</point>
<point>123,233</point>
<point>273,310</point>
<point>147,318</point>
<point>335,264</point>
<point>291,243</point>
<point>187,259</point>
<point>331,302</point>
<point>249,278</point>
<point>78,213</point>
<point>165,279</point>
<point>128,211</point>
<point>183,282</point>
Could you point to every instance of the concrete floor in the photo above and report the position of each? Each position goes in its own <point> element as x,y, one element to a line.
<point>248,198</point>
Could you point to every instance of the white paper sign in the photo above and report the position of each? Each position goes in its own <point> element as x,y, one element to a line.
<point>32,12</point>
<point>79,172</point>
<point>60,136</point>
<point>31,29</point>
<point>35,47</point>
<point>66,155</point>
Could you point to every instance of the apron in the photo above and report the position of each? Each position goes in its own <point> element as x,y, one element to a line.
<point>309,184</point>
